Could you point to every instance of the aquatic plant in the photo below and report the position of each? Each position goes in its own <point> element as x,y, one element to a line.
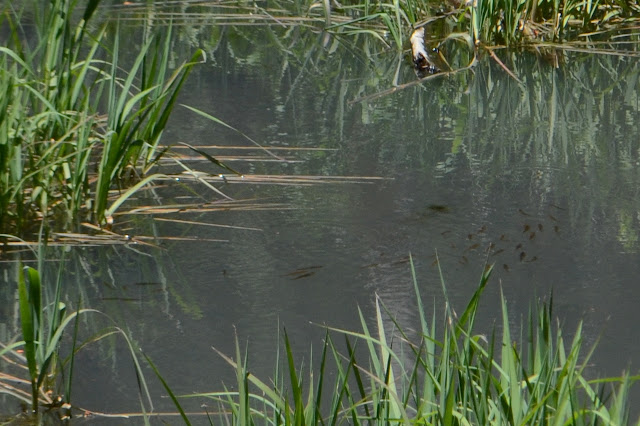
<point>59,76</point>
<point>80,135</point>
<point>491,22</point>
<point>528,21</point>
<point>44,320</point>
<point>390,23</point>
<point>437,375</point>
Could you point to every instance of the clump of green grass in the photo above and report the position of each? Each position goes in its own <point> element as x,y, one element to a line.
<point>488,22</point>
<point>525,21</point>
<point>69,109</point>
<point>47,327</point>
<point>449,375</point>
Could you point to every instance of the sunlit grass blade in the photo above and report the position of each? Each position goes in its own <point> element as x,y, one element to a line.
<point>296,385</point>
<point>211,159</point>
<point>174,399</point>
<point>509,380</point>
<point>222,123</point>
<point>29,327</point>
<point>395,409</point>
<point>129,192</point>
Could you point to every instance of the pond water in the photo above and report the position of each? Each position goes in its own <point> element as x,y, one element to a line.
<point>538,177</point>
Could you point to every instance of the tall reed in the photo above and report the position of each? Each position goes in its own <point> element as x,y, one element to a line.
<point>530,21</point>
<point>58,75</point>
<point>488,22</point>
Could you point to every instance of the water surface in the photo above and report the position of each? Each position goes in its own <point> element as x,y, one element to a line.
<point>539,178</point>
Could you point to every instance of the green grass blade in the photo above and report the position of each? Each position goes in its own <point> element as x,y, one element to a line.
<point>217,120</point>
<point>509,379</point>
<point>396,411</point>
<point>92,5</point>
<point>35,297</point>
<point>211,159</point>
<point>243,391</point>
<point>296,387</point>
<point>16,58</point>
<point>28,333</point>
<point>173,397</point>
<point>118,202</point>
<point>316,416</point>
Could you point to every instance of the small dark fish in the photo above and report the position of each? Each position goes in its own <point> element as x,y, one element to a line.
<point>522,212</point>
<point>303,272</point>
<point>506,267</point>
<point>482,229</point>
<point>557,229</point>
<point>503,237</point>
<point>439,208</point>
<point>308,274</point>
<point>464,260</point>
<point>522,256</point>
<point>452,245</point>
<point>557,207</point>
<point>533,259</point>
<point>532,235</point>
<point>490,247</point>
<point>497,252</point>
<point>540,227</point>
<point>518,247</point>
<point>553,218</point>
<point>473,247</point>
<point>470,236</point>
<point>149,283</point>
<point>526,228</point>
<point>445,233</point>
<point>401,261</point>
<point>435,262</point>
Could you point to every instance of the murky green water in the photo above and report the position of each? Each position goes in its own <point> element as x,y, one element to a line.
<point>539,177</point>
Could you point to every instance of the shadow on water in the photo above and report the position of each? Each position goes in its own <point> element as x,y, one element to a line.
<point>539,177</point>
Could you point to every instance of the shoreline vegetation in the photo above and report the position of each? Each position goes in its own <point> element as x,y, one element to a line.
<point>80,138</point>
<point>441,372</point>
